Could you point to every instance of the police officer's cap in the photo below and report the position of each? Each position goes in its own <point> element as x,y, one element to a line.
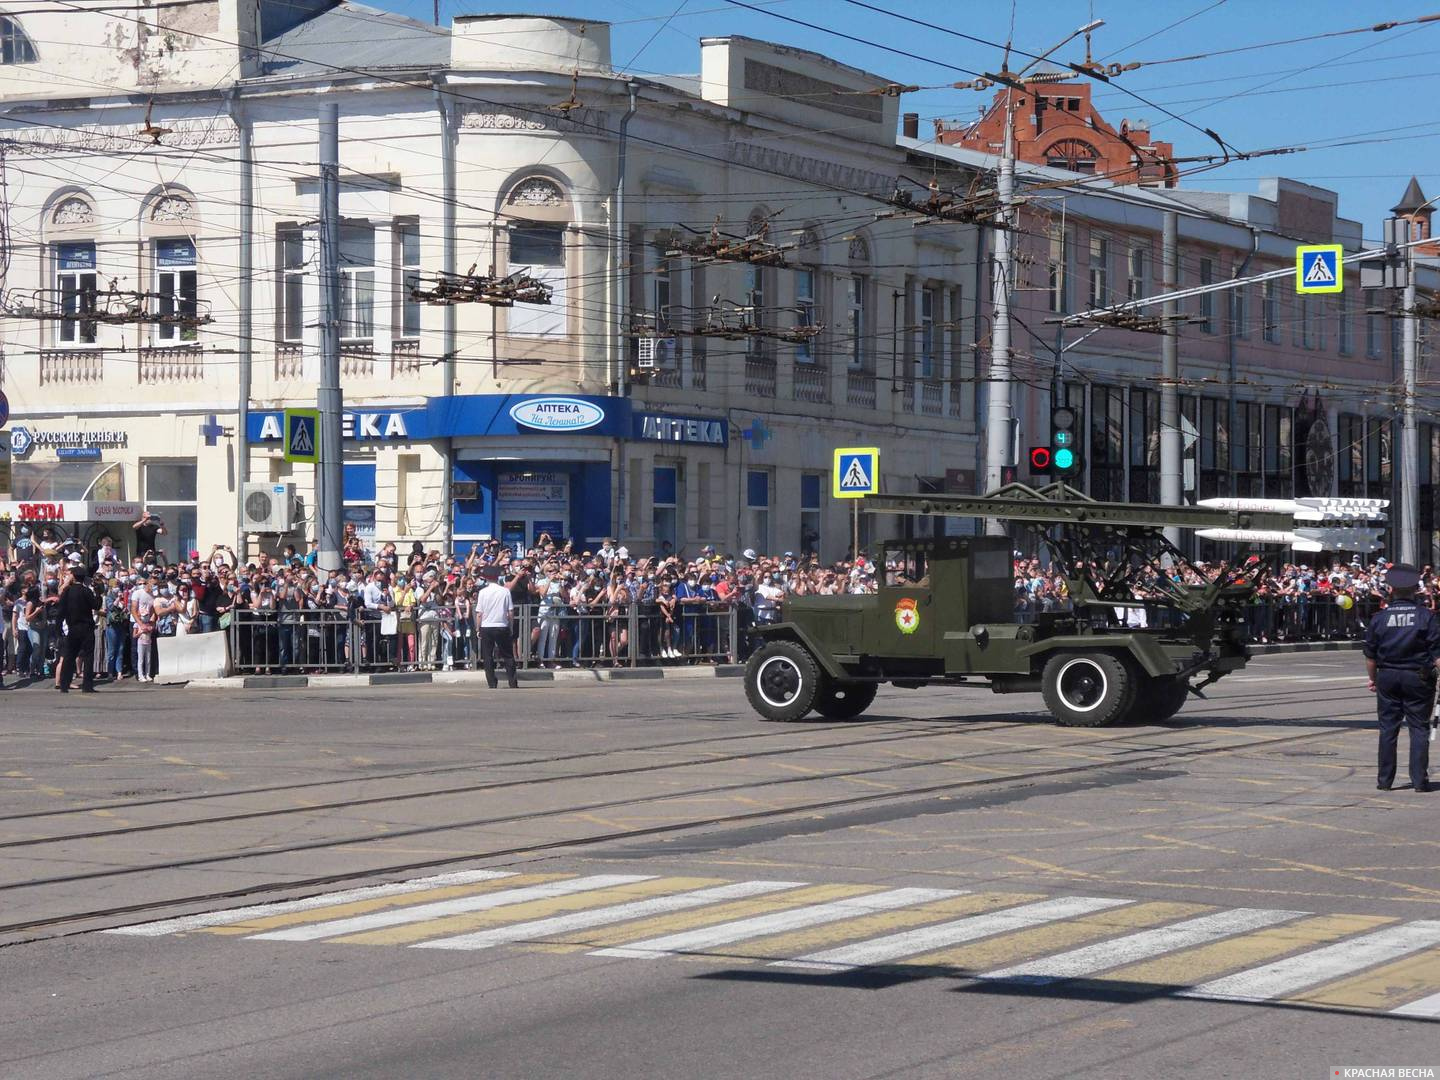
<point>1402,576</point>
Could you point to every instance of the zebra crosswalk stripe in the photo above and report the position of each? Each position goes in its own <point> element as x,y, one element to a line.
<point>893,947</point>
<point>208,919</point>
<point>1090,959</point>
<point>712,937</point>
<point>1320,965</point>
<point>536,929</point>
<point>1427,1008</point>
<point>423,912</point>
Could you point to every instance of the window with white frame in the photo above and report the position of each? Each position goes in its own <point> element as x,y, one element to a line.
<point>538,249</point>
<point>929,305</point>
<point>75,286</point>
<point>15,45</point>
<point>175,285</point>
<point>407,247</point>
<point>1136,273</point>
<point>1372,324</point>
<point>756,283</point>
<point>1343,328</point>
<point>1058,272</point>
<point>357,281</point>
<point>1099,271</point>
<point>811,486</point>
<point>172,495</point>
<point>1240,311</point>
<point>290,288</point>
<point>666,290</point>
<point>1270,311</point>
<point>805,313</point>
<point>1207,300</point>
<point>857,321</point>
<point>757,504</point>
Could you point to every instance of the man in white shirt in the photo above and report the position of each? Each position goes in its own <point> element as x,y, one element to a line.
<point>493,610</point>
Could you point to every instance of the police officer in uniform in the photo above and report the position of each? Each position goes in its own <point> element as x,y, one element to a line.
<point>1402,655</point>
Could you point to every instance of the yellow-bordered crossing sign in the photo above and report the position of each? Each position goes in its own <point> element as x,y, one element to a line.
<point>1320,268</point>
<point>856,473</point>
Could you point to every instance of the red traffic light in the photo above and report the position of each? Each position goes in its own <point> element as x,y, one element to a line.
<point>1039,459</point>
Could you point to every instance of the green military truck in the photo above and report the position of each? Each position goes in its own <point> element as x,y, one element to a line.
<point>944,610</point>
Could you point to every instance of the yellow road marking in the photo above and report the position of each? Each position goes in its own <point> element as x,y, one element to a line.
<point>215,773</point>
<point>1381,989</point>
<point>451,925</point>
<point>815,938</point>
<point>990,953</point>
<point>362,907</point>
<point>605,936</point>
<point>1191,966</point>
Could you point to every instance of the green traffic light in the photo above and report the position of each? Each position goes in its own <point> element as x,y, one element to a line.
<point>1064,458</point>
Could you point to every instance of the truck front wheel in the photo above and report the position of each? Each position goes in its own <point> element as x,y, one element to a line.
<point>841,699</point>
<point>1088,689</point>
<point>782,681</point>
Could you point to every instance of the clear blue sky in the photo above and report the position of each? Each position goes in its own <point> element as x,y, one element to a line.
<point>1314,92</point>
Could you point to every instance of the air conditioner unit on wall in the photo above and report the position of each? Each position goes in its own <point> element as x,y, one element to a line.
<point>268,508</point>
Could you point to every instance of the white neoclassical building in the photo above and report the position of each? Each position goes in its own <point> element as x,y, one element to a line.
<point>177,158</point>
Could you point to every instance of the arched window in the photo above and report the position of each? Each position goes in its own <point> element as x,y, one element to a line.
<point>539,214</point>
<point>15,45</point>
<point>1075,155</point>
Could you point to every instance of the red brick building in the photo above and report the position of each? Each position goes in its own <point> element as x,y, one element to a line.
<point>1057,125</point>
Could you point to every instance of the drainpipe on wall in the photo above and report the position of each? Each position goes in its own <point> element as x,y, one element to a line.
<point>618,282</point>
<point>245,327</point>
<point>445,107</point>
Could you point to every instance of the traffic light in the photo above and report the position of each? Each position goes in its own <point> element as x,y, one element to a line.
<point>1064,451</point>
<point>1040,459</point>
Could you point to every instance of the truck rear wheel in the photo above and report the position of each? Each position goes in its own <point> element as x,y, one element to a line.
<point>782,681</point>
<point>1159,699</point>
<point>841,699</point>
<point>1088,689</point>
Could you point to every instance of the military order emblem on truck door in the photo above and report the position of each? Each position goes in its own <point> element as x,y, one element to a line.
<point>907,616</point>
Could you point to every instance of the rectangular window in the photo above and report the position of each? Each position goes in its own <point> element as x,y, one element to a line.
<point>1107,443</point>
<point>75,284</point>
<point>171,495</point>
<point>290,303</point>
<point>1270,312</point>
<point>1135,278</point>
<point>1144,446</point>
<point>1307,322</point>
<point>1207,300</point>
<point>1240,311</point>
<point>175,285</point>
<point>811,485</point>
<point>1342,324</point>
<point>857,322</point>
<point>539,251</point>
<point>929,301</point>
<point>1099,271</point>
<point>407,247</point>
<point>1372,324</point>
<point>756,282</point>
<point>757,503</point>
<point>664,515</point>
<point>664,292</point>
<point>805,313</point>
<point>357,282</point>
<point>1350,455</point>
<point>1057,283</point>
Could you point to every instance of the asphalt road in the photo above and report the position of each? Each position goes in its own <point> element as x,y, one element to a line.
<point>646,880</point>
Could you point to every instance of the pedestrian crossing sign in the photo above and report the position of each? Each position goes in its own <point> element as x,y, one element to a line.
<point>302,435</point>
<point>856,473</point>
<point>1319,268</point>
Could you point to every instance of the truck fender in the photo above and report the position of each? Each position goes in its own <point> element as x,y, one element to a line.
<point>790,632</point>
<point>1148,655</point>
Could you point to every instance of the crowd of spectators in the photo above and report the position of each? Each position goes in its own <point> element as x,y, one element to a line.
<point>415,609</point>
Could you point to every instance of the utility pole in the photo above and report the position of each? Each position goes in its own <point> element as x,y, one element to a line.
<point>999,439</point>
<point>328,473</point>
<point>1171,479</point>
<point>1409,433</point>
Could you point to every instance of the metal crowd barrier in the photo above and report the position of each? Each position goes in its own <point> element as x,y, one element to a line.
<point>331,640</point>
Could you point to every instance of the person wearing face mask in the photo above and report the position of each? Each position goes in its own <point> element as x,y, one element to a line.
<point>691,602</point>
<point>767,600</point>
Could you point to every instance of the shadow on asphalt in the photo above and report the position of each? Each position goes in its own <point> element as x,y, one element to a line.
<point>1092,990</point>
